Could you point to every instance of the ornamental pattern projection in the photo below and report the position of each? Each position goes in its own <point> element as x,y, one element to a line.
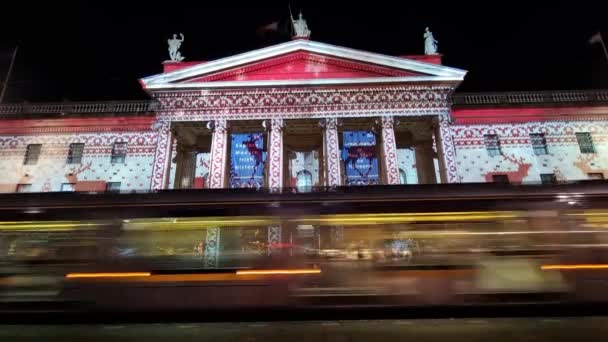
<point>518,160</point>
<point>212,247</point>
<point>161,158</point>
<point>219,153</point>
<point>93,172</point>
<point>556,132</point>
<point>275,168</point>
<point>297,103</point>
<point>389,149</point>
<point>274,237</point>
<point>308,59</point>
<point>447,151</point>
<point>333,174</point>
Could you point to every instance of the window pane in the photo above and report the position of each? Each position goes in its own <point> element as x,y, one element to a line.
<point>68,187</point>
<point>500,179</point>
<point>595,175</point>
<point>492,145</point>
<point>299,161</point>
<point>119,152</point>
<point>113,186</point>
<point>585,142</point>
<point>32,153</point>
<point>75,153</point>
<point>548,178</point>
<point>304,181</point>
<point>402,177</point>
<point>24,187</point>
<point>539,143</point>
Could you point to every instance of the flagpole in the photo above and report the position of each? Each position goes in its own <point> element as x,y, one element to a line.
<point>10,70</point>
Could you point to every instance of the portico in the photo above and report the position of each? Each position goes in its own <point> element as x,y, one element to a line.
<point>305,113</point>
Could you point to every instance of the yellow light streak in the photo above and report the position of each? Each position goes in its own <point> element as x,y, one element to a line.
<point>272,272</point>
<point>107,275</point>
<point>575,267</point>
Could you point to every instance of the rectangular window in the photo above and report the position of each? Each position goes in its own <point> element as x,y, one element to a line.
<point>113,187</point>
<point>32,153</point>
<point>548,178</point>
<point>585,142</point>
<point>492,145</point>
<point>539,143</point>
<point>68,187</point>
<point>24,187</point>
<point>75,153</point>
<point>595,176</point>
<point>504,179</point>
<point>119,152</point>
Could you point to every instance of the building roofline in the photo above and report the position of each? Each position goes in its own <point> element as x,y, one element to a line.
<point>530,98</point>
<point>300,45</point>
<point>556,98</point>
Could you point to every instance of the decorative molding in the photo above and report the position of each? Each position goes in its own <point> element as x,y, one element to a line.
<point>528,97</point>
<point>389,147</point>
<point>333,175</point>
<point>66,108</point>
<point>298,103</point>
<point>219,154</point>
<point>73,125</point>
<point>275,168</point>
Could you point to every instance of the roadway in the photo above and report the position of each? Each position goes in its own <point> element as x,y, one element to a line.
<point>423,330</point>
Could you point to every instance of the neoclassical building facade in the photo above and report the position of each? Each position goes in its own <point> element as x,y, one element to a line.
<point>300,115</point>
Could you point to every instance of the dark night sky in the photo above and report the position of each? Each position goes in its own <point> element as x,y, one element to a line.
<point>98,50</point>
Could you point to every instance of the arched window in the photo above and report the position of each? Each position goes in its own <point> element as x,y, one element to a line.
<point>304,181</point>
<point>402,178</point>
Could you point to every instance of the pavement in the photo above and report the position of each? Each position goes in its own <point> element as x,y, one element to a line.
<point>423,330</point>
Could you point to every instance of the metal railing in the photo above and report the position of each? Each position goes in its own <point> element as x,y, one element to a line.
<point>519,98</point>
<point>462,99</point>
<point>80,107</point>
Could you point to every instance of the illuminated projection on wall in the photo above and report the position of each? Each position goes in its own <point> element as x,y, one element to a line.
<point>247,160</point>
<point>360,158</point>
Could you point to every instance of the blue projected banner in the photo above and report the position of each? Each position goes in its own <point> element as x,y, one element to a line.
<point>247,159</point>
<point>360,158</point>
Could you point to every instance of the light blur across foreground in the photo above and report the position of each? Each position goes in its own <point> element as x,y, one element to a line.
<point>502,249</point>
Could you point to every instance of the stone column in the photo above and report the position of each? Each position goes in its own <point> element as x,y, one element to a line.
<point>389,150</point>
<point>331,152</point>
<point>425,167</point>
<point>275,156</point>
<point>219,154</point>
<point>445,150</point>
<point>162,156</point>
<point>217,179</point>
<point>212,248</point>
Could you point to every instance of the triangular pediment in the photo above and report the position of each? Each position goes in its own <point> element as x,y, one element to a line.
<point>303,62</point>
<point>303,65</point>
